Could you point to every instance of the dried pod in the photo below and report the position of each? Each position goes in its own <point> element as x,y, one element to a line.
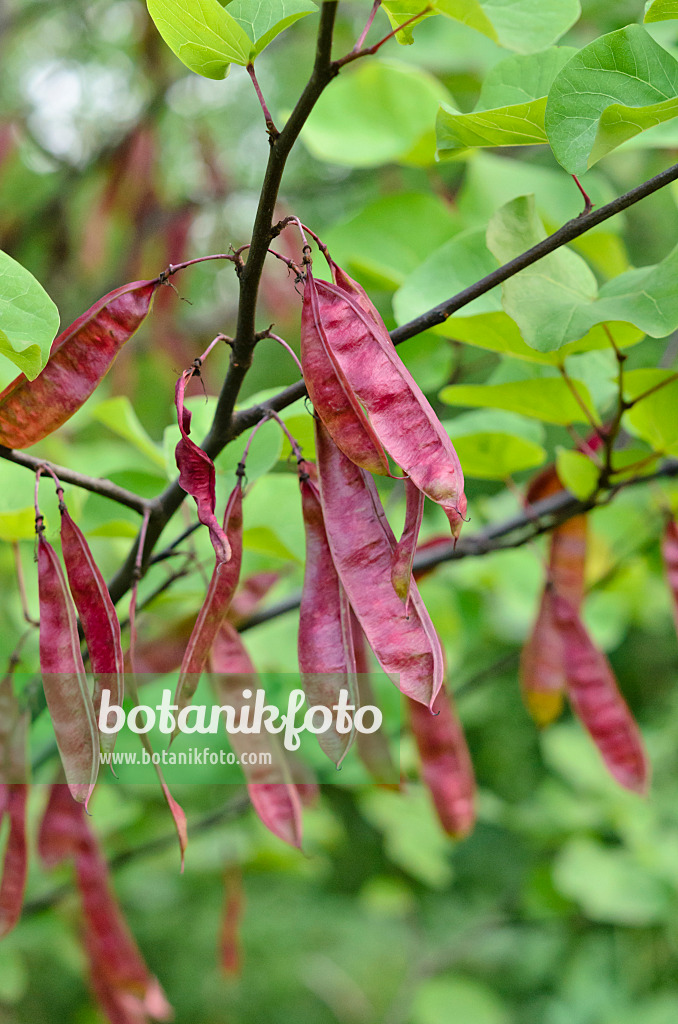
<point>80,357</point>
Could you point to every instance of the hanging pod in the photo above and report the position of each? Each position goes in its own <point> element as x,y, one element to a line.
<point>80,357</point>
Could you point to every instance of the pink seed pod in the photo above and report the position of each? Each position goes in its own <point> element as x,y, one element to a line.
<point>15,864</point>
<point>597,702</point>
<point>63,677</point>
<point>362,544</point>
<point>80,357</point>
<point>197,475</point>
<point>445,764</point>
<point>271,790</point>
<point>215,606</point>
<point>360,349</point>
<point>325,644</point>
<point>98,618</point>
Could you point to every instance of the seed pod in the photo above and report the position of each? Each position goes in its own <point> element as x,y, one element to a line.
<point>124,986</point>
<point>98,618</point>
<point>14,867</point>
<point>273,795</point>
<point>445,764</point>
<point>360,348</point>
<point>80,357</point>
<point>229,939</point>
<point>542,663</point>
<point>670,557</point>
<point>330,393</point>
<point>63,677</point>
<point>197,475</point>
<point>215,606</point>
<point>597,702</point>
<point>403,554</point>
<point>326,656</point>
<point>362,544</point>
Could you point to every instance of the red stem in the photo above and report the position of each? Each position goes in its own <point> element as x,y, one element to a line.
<point>270,126</point>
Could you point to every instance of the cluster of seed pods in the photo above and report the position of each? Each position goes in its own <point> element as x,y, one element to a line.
<point>561,659</point>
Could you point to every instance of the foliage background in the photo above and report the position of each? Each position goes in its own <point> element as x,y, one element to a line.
<point>563,904</point>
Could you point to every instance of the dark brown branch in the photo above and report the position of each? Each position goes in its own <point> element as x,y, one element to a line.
<point>86,483</point>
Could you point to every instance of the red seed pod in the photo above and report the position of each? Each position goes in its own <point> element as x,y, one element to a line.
<point>542,664</point>
<point>126,989</point>
<point>274,797</point>
<point>197,475</point>
<point>80,357</point>
<point>325,644</point>
<point>362,544</point>
<point>360,348</point>
<point>230,956</point>
<point>98,618</point>
<point>215,606</point>
<point>670,557</point>
<point>63,677</point>
<point>15,864</point>
<point>403,554</point>
<point>330,392</point>
<point>597,702</point>
<point>445,764</point>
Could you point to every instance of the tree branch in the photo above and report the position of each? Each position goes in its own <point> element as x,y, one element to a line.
<point>88,483</point>
<point>541,517</point>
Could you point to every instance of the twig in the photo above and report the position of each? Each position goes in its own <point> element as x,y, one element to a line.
<point>368,51</point>
<point>86,483</point>
<point>270,126</point>
<point>21,584</point>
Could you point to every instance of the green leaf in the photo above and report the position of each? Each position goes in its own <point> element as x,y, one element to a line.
<point>654,419</point>
<point>29,320</point>
<point>378,112</point>
<point>390,237</point>
<point>400,11</point>
<point>521,25</point>
<point>616,87</point>
<point>464,260</point>
<point>204,36</point>
<point>661,10</point>
<point>119,416</point>
<point>610,885</point>
<point>263,20</point>
<point>543,298</point>
<point>577,473</point>
<point>511,105</point>
<point>547,399</point>
<point>494,445</point>
<point>444,999</point>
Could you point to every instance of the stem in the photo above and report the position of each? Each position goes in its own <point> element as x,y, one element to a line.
<point>21,584</point>
<point>243,458</point>
<point>86,483</point>
<point>294,444</point>
<point>363,35</point>
<point>588,205</point>
<point>174,267</point>
<point>270,126</point>
<point>288,348</point>
<point>220,337</point>
<point>369,51</point>
<point>580,402</point>
<point>650,391</point>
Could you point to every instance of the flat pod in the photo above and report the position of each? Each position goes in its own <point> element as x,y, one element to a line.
<point>542,665</point>
<point>274,797</point>
<point>362,545</point>
<point>373,747</point>
<point>402,418</point>
<point>98,618</point>
<point>63,677</point>
<point>215,606</point>
<point>445,764</point>
<point>197,475</point>
<point>80,357</point>
<point>597,702</point>
<point>403,555</point>
<point>325,642</point>
<point>15,865</point>
<point>329,391</point>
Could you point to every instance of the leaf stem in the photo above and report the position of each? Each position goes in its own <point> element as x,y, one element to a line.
<point>273,132</point>
<point>369,51</point>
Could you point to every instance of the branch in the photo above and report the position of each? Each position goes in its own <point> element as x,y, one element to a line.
<point>541,517</point>
<point>88,483</point>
